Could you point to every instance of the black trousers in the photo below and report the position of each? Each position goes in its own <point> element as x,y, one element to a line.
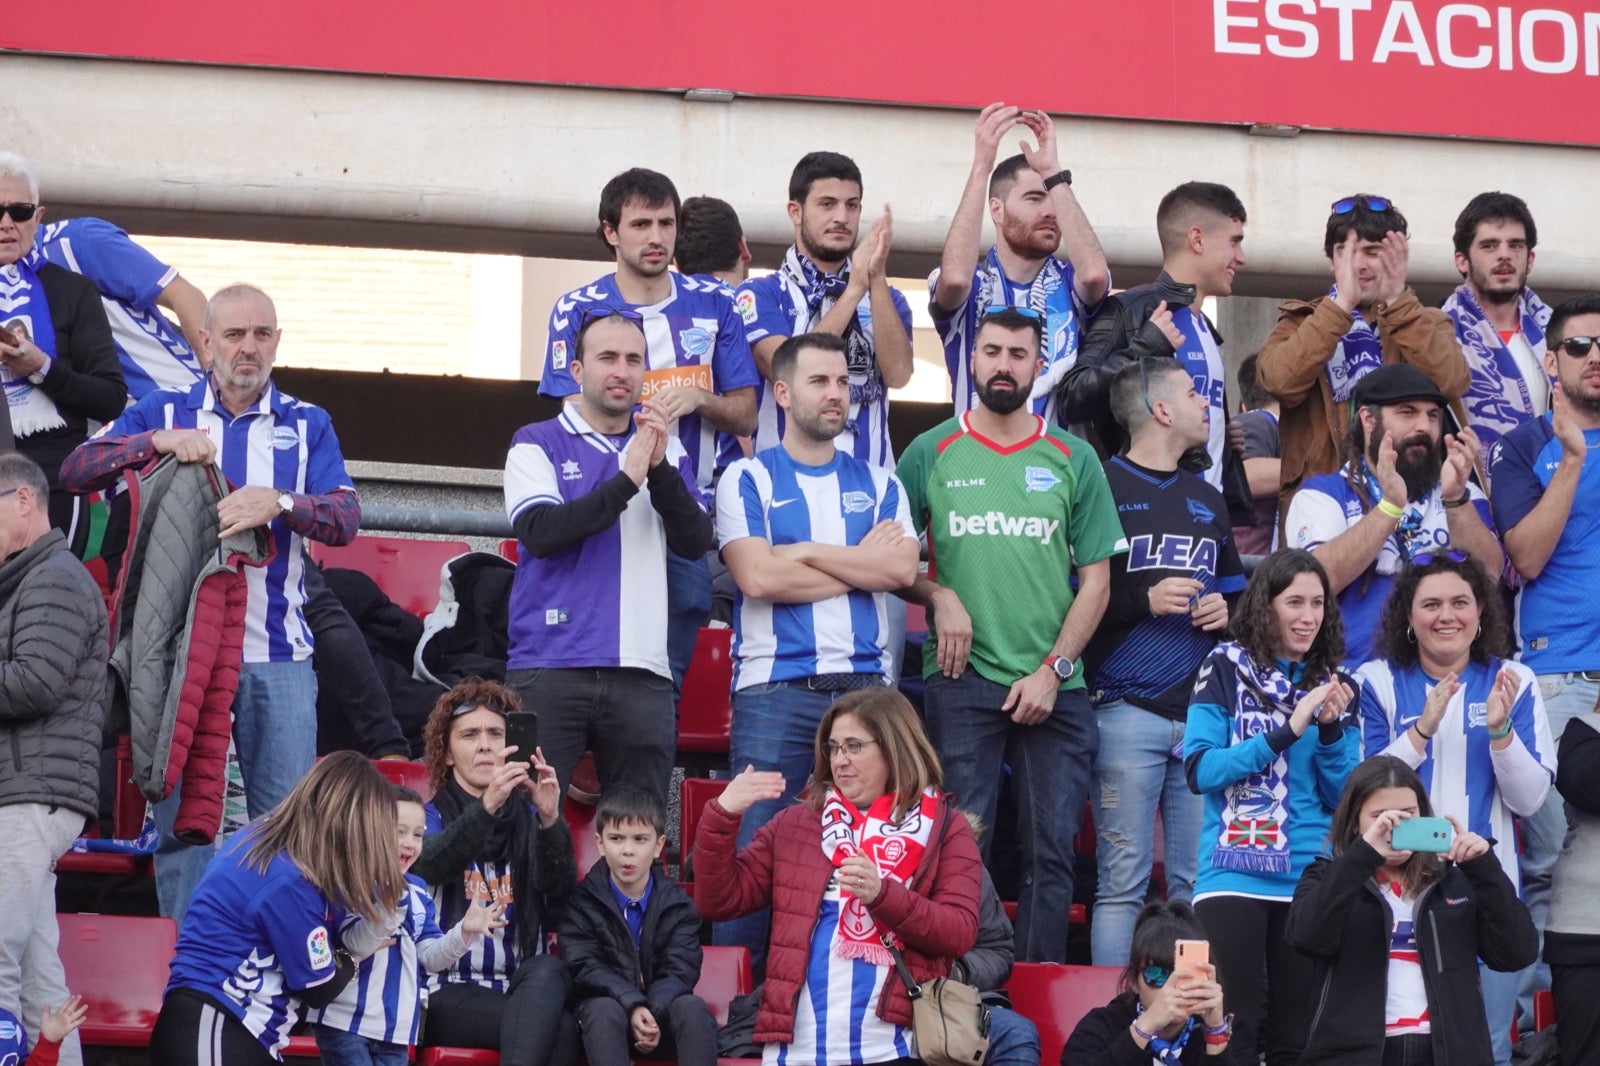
<point>529,1023</point>
<point>192,1030</point>
<point>688,1033</point>
<point>1246,943</point>
<point>1577,991</point>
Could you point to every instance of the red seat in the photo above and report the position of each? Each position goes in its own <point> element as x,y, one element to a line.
<point>508,548</point>
<point>302,1047</point>
<point>119,965</point>
<point>724,973</point>
<point>705,710</point>
<point>693,795</point>
<point>127,819</point>
<point>1544,1009</point>
<point>1077,914</point>
<point>581,821</point>
<point>456,1056</point>
<point>412,775</point>
<point>916,619</point>
<point>405,568</point>
<point>1057,997</point>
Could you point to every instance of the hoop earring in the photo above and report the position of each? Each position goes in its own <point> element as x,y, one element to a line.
<point>1480,629</point>
<point>1411,638</point>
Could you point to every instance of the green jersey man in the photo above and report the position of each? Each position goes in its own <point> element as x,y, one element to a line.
<point>1012,507</point>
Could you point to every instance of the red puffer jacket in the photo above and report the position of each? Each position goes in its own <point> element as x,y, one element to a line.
<point>784,867</point>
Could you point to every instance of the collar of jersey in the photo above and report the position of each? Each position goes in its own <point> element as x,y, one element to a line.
<point>1040,431</point>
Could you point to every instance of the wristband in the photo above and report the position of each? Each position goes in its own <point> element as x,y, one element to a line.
<point>1506,732</point>
<point>1418,727</point>
<point>1466,498</point>
<point>1060,177</point>
<point>1225,1030</point>
<point>1140,1032</point>
<point>1391,510</point>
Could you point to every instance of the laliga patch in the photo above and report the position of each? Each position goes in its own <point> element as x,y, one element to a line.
<point>318,951</point>
<point>284,438</point>
<point>746,303</point>
<point>1038,479</point>
<point>558,355</point>
<point>856,502</point>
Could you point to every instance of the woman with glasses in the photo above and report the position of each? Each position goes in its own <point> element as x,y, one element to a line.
<point>1472,724</point>
<point>1268,748</point>
<point>873,851</point>
<point>495,832</point>
<point>1160,1017</point>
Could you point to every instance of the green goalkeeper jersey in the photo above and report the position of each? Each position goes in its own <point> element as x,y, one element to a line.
<point>1005,527</point>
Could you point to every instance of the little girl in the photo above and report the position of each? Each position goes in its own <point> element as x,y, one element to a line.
<point>53,1028</point>
<point>374,1020</point>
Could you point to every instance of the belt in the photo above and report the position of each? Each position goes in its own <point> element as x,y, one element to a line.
<point>1588,675</point>
<point>839,682</point>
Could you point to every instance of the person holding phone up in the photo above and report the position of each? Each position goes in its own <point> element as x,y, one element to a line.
<point>1397,934</point>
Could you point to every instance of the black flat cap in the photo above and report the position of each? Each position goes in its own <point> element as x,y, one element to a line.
<point>1396,383</point>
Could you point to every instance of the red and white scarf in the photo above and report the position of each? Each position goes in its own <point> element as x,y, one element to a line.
<point>895,848</point>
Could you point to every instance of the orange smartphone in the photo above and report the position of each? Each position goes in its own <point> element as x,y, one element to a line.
<point>1189,956</point>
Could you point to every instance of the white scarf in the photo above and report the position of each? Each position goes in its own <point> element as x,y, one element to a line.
<point>24,310</point>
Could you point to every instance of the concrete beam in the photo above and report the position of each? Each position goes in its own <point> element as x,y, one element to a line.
<point>474,166</point>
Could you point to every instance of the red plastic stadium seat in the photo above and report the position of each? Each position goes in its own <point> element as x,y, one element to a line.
<point>705,710</point>
<point>580,820</point>
<point>127,818</point>
<point>508,548</point>
<point>456,1056</point>
<point>724,973</point>
<point>916,618</point>
<point>412,775</point>
<point>1057,997</point>
<point>118,964</point>
<point>1544,1009</point>
<point>693,795</point>
<point>406,569</point>
<point>302,1047</point>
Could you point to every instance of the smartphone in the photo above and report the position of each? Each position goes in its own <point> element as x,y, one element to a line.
<point>522,729</point>
<point>1423,834</point>
<point>1189,956</point>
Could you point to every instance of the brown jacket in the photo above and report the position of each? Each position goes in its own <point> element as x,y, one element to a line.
<point>1293,367</point>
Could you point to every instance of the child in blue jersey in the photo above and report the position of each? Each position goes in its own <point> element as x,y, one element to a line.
<point>632,939</point>
<point>54,1026</point>
<point>374,1020</point>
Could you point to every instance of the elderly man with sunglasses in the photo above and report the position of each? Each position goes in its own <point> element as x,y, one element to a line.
<point>1319,350</point>
<point>597,497</point>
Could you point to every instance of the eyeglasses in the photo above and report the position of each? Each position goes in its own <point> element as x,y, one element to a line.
<point>1430,558</point>
<point>18,212</point>
<point>1155,976</point>
<point>1579,347</point>
<point>852,746</point>
<point>592,315</point>
<point>9,491</point>
<point>1371,203</point>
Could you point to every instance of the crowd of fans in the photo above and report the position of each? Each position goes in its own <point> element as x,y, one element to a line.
<point>1413,640</point>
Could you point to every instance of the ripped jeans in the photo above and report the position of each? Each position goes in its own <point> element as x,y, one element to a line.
<point>1135,773</point>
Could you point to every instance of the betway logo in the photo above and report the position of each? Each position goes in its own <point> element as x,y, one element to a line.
<point>997,524</point>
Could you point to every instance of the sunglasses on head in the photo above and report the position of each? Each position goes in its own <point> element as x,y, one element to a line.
<point>1429,558</point>
<point>1371,203</point>
<point>1578,347</point>
<point>18,212</point>
<point>1155,976</point>
<point>591,315</point>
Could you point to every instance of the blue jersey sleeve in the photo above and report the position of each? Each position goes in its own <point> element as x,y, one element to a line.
<point>556,378</point>
<point>119,268</point>
<point>1376,728</point>
<point>1516,484</point>
<point>140,418</point>
<point>765,310</point>
<point>902,307</point>
<point>325,470</point>
<point>732,364</point>
<point>297,924</point>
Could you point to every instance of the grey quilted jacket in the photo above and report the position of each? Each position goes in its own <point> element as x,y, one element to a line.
<point>53,647</point>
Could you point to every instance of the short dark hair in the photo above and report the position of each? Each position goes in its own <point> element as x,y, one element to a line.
<point>1005,176</point>
<point>1251,394</point>
<point>1493,207</point>
<point>820,166</point>
<point>630,803</point>
<point>1368,224</point>
<point>1255,624</point>
<point>402,794</point>
<point>1128,385</point>
<point>1176,212</point>
<point>1013,318</point>
<point>649,187</point>
<point>1587,304</point>
<point>1396,639</point>
<point>708,235</point>
<point>1155,933</point>
<point>788,353</point>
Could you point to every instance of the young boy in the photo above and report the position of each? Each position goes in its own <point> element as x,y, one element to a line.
<point>375,1018</point>
<point>632,940</point>
<point>53,1028</point>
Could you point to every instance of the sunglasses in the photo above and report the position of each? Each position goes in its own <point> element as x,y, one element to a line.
<point>1155,976</point>
<point>1431,557</point>
<point>998,309</point>
<point>592,315</point>
<point>1579,347</point>
<point>1371,203</point>
<point>1144,383</point>
<point>18,212</point>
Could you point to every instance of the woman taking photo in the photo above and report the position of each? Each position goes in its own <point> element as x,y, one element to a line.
<point>1471,724</point>
<point>1386,994</point>
<point>495,832</point>
<point>1268,748</point>
<point>832,996</point>
<point>1160,1017</point>
<point>262,936</point>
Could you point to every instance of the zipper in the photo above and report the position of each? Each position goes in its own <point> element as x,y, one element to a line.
<point>1322,1002</point>
<point>16,750</point>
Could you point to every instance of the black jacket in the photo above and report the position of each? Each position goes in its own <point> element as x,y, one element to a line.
<point>85,380</point>
<point>1339,917</point>
<point>599,950</point>
<point>1102,1038</point>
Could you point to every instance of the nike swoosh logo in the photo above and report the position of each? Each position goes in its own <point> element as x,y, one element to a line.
<point>784,503</point>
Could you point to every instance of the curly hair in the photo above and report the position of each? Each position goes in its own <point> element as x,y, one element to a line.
<point>470,694</point>
<point>1396,641</point>
<point>1255,622</point>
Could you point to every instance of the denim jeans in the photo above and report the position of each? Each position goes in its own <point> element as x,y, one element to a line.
<point>336,1047</point>
<point>1566,696</point>
<point>275,731</point>
<point>1137,772</point>
<point>774,728</point>
<point>688,608</point>
<point>1013,1039</point>
<point>1051,764</point>
<point>1499,1005</point>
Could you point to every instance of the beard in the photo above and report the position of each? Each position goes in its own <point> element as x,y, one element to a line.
<point>1495,291</point>
<point>812,425</point>
<point>820,253</point>
<point>1004,401</point>
<point>1027,241</point>
<point>1417,459</point>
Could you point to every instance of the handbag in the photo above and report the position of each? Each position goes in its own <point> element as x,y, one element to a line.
<point>949,1019</point>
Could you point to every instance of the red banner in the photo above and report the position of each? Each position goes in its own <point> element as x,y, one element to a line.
<point>1510,71</point>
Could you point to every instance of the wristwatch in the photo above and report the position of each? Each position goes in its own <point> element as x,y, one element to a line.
<point>285,504</point>
<point>1060,177</point>
<point>1063,667</point>
<point>37,377</point>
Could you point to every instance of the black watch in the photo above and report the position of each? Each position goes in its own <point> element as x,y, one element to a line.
<point>1060,177</point>
<point>1064,667</point>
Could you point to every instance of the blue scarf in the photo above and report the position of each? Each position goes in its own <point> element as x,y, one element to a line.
<point>24,309</point>
<point>1410,522</point>
<point>817,291</point>
<point>1050,299</point>
<point>1497,399</point>
<point>1357,354</point>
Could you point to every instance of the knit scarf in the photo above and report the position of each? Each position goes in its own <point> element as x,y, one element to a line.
<point>1497,399</point>
<point>1254,837</point>
<point>1357,354</point>
<point>1168,1052</point>
<point>24,309</point>
<point>510,846</point>
<point>1410,522</point>
<point>816,293</point>
<point>895,848</point>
